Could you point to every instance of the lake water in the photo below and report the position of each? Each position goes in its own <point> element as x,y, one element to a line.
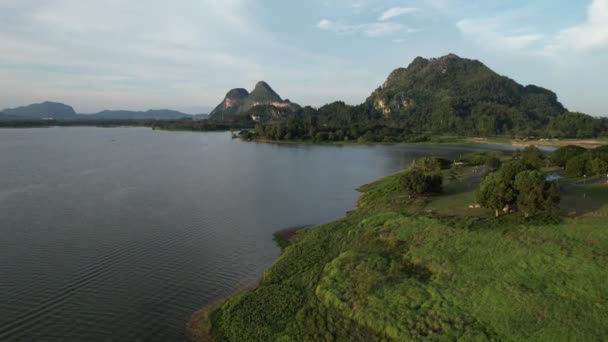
<point>122,233</point>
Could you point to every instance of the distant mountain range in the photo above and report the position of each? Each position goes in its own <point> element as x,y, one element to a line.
<point>262,101</point>
<point>45,110</point>
<point>60,111</point>
<point>441,95</point>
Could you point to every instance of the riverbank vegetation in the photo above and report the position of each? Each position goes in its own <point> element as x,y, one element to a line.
<point>435,264</point>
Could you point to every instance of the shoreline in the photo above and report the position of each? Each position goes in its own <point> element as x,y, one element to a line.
<point>550,142</point>
<point>198,327</point>
<point>586,143</point>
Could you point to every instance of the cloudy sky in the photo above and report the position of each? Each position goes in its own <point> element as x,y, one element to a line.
<point>186,54</point>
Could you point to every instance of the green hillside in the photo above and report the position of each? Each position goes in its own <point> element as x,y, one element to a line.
<point>403,267</point>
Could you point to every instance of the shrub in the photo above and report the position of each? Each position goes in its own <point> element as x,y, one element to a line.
<point>416,182</point>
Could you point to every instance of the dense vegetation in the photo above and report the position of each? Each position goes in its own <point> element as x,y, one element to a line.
<point>448,95</point>
<point>519,184</point>
<point>427,267</point>
<point>177,125</point>
<point>590,163</point>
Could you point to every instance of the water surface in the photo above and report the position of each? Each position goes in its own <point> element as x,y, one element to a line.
<point>122,233</point>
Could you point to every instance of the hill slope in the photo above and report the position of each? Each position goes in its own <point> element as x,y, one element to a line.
<point>389,272</point>
<point>452,93</point>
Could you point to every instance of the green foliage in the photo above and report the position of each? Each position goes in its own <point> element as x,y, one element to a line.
<point>453,94</point>
<point>428,165</point>
<point>417,182</point>
<point>592,163</point>
<point>532,157</point>
<point>535,195</point>
<point>382,274</point>
<point>562,155</point>
<point>449,95</point>
<point>511,169</point>
<point>519,183</point>
<point>495,193</point>
<point>579,165</point>
<point>574,125</point>
<point>259,315</point>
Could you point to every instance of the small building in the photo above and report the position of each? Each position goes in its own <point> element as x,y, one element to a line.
<point>255,117</point>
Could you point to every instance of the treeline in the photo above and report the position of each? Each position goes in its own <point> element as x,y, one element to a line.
<point>363,123</point>
<point>182,124</point>
<point>580,162</point>
<point>234,123</point>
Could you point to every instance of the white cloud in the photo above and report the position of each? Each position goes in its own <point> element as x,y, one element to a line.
<point>375,29</point>
<point>396,12</point>
<point>591,34</point>
<point>325,24</point>
<point>491,33</point>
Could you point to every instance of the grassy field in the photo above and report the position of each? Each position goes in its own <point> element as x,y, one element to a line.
<point>401,268</point>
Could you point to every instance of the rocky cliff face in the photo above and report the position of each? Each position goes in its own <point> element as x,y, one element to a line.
<point>239,102</point>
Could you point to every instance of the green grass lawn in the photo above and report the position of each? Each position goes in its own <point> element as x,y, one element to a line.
<point>392,270</point>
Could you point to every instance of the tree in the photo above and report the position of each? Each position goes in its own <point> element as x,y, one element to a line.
<point>579,165</point>
<point>511,169</point>
<point>416,182</point>
<point>495,193</point>
<point>428,165</point>
<point>535,194</point>
<point>574,125</point>
<point>562,155</point>
<point>598,167</point>
<point>532,157</point>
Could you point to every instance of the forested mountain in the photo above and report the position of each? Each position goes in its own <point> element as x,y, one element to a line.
<point>262,102</point>
<point>456,94</point>
<point>45,110</point>
<point>446,95</point>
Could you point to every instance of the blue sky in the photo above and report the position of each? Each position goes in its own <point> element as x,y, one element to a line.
<point>186,54</point>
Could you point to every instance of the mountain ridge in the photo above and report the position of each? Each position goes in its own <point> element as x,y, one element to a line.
<point>58,111</point>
